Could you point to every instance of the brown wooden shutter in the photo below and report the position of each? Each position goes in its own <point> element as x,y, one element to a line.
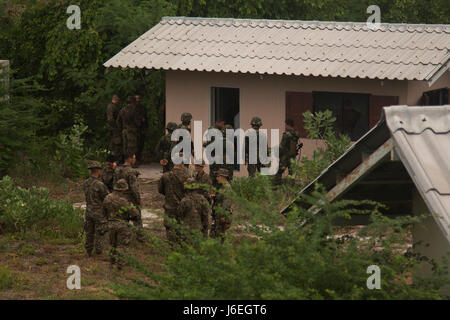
<point>296,104</point>
<point>376,104</point>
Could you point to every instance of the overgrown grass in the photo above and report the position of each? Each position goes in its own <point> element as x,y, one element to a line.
<point>28,211</point>
<point>7,279</point>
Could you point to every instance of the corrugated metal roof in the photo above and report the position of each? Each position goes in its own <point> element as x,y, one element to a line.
<point>422,140</point>
<point>291,47</point>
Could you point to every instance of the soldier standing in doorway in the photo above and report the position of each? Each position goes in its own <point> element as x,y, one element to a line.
<point>115,134</point>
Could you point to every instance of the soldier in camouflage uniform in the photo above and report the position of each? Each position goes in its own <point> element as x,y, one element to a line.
<point>115,134</point>
<point>108,173</point>
<point>171,185</point>
<point>127,123</point>
<point>256,123</point>
<point>186,118</point>
<point>222,212</point>
<point>203,178</point>
<point>165,146</point>
<point>193,211</point>
<point>142,121</point>
<point>232,144</point>
<point>133,194</point>
<point>117,210</point>
<point>95,226</point>
<point>214,167</point>
<point>288,150</point>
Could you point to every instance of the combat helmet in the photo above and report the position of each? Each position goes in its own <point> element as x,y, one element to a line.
<point>171,126</point>
<point>256,121</point>
<point>121,185</point>
<point>94,165</point>
<point>186,117</point>
<point>222,172</point>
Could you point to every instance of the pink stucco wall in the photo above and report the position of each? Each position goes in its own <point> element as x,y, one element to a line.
<point>264,96</point>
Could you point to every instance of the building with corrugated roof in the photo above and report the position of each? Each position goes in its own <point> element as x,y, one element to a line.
<point>236,69</point>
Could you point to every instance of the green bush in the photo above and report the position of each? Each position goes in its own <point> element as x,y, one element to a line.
<point>23,211</point>
<point>70,152</point>
<point>320,125</point>
<point>292,257</point>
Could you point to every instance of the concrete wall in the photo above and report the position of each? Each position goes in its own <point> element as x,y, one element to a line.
<point>429,232</point>
<point>264,96</point>
<point>416,88</point>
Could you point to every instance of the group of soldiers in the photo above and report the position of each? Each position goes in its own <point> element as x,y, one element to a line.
<point>127,127</point>
<point>112,201</point>
<point>288,148</point>
<point>195,202</point>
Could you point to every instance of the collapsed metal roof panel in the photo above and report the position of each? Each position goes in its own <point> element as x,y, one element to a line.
<point>422,140</point>
<point>421,137</point>
<point>317,48</point>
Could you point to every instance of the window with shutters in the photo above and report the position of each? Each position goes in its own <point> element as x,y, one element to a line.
<point>351,111</point>
<point>436,97</point>
<point>355,113</point>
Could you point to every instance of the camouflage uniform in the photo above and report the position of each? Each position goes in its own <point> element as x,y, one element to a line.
<point>215,167</point>
<point>115,134</point>
<point>165,146</point>
<point>256,123</point>
<point>128,125</point>
<point>142,121</point>
<point>171,185</point>
<point>133,194</point>
<point>193,211</point>
<point>288,151</point>
<point>204,179</point>
<point>107,177</point>
<point>222,212</point>
<point>118,210</point>
<point>94,223</point>
<point>228,166</point>
<point>186,118</point>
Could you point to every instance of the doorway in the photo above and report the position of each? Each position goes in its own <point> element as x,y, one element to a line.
<point>225,105</point>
